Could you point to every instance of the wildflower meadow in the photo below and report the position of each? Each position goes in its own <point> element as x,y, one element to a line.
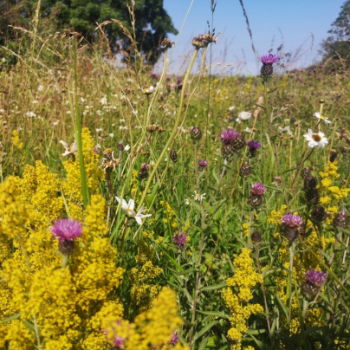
<point>156,211</point>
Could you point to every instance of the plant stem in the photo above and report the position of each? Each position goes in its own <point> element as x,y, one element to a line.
<point>77,121</point>
<point>174,131</point>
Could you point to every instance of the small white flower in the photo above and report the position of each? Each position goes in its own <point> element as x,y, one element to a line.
<point>69,149</point>
<point>249,130</point>
<point>30,114</point>
<point>55,122</point>
<point>198,197</point>
<point>111,134</point>
<point>98,130</point>
<point>129,208</point>
<point>123,127</point>
<point>322,117</point>
<point>315,139</point>
<point>148,90</point>
<point>187,201</point>
<point>231,108</point>
<point>40,88</point>
<point>127,148</point>
<point>244,115</point>
<point>103,100</point>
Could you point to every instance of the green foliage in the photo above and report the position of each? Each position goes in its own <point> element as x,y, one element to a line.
<point>337,47</point>
<point>151,26</point>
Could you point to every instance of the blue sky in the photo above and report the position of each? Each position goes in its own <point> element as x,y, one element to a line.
<point>300,25</point>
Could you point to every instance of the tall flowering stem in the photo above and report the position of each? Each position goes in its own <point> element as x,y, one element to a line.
<point>178,121</point>
<point>77,122</point>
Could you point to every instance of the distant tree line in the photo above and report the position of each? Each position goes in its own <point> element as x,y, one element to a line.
<point>336,47</point>
<point>152,24</point>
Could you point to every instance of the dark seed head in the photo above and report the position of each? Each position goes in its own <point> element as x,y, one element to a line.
<point>310,182</point>
<point>255,201</point>
<point>196,133</point>
<point>333,156</point>
<point>173,155</point>
<point>318,214</point>
<point>256,237</point>
<point>245,169</point>
<point>341,219</point>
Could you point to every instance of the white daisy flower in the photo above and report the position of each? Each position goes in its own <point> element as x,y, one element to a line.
<point>30,114</point>
<point>103,100</point>
<point>148,90</point>
<point>198,197</point>
<point>129,208</point>
<point>244,115</point>
<point>69,149</point>
<point>315,139</point>
<point>318,115</point>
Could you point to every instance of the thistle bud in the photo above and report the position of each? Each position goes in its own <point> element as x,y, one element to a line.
<point>245,169</point>
<point>256,237</point>
<point>333,155</point>
<point>173,155</point>
<point>267,68</point>
<point>143,174</point>
<point>341,219</point>
<point>196,133</point>
<point>318,214</point>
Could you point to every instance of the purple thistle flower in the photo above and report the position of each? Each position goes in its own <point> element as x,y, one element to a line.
<point>66,230</point>
<point>154,76</point>
<point>258,190</point>
<point>253,144</point>
<point>179,239</point>
<point>316,278</point>
<point>291,220</point>
<point>202,164</point>
<point>229,135</point>
<point>269,59</point>
<point>118,342</point>
<point>174,339</point>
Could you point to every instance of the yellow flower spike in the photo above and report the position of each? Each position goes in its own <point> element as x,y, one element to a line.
<point>237,298</point>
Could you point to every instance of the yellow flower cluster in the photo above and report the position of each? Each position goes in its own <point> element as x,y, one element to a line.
<point>152,329</point>
<point>55,300</point>
<point>276,215</point>
<point>16,141</point>
<point>331,193</point>
<point>170,214</point>
<point>304,260</point>
<point>143,289</point>
<point>46,301</point>
<point>238,296</point>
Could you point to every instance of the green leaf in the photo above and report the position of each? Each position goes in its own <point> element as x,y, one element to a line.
<point>283,307</point>
<point>204,330</point>
<point>215,314</point>
<point>214,286</point>
<point>10,318</point>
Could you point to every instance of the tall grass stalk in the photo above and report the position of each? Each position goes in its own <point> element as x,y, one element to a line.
<point>78,124</point>
<point>174,132</point>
